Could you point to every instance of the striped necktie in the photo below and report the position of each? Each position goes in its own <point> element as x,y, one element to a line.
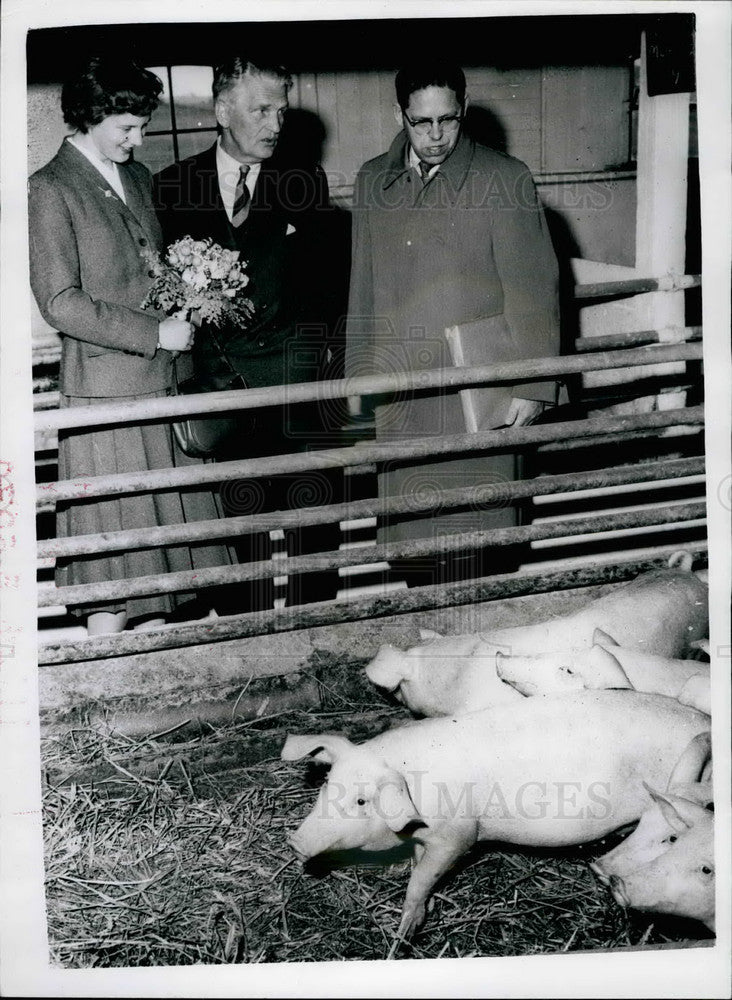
<point>242,198</point>
<point>424,169</point>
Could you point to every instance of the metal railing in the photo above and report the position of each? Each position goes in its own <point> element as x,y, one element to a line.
<point>615,351</point>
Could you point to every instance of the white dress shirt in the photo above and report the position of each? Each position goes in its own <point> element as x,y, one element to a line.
<point>228,170</point>
<point>109,171</point>
<point>414,161</point>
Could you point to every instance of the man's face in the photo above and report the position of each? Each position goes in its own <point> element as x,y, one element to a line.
<point>117,135</point>
<point>251,115</point>
<point>436,144</point>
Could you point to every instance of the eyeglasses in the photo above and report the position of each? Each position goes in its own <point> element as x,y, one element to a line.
<point>447,123</point>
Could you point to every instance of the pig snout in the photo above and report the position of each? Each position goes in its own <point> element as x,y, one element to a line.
<point>299,846</point>
<point>387,669</point>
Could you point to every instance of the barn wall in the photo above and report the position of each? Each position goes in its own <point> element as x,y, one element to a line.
<point>556,119</point>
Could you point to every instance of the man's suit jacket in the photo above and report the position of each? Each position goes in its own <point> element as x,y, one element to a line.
<point>279,242</point>
<point>89,278</point>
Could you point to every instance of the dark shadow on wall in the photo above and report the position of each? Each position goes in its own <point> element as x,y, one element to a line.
<point>302,142</point>
<point>565,247</point>
<point>482,125</point>
<point>302,138</point>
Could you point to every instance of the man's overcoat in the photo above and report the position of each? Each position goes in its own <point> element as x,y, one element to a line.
<point>469,244</point>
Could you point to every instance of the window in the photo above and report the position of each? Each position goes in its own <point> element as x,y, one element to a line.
<point>184,122</point>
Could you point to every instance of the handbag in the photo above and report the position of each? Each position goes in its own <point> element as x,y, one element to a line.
<point>207,437</point>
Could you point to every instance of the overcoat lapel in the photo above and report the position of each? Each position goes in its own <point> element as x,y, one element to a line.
<point>133,195</point>
<point>445,187</point>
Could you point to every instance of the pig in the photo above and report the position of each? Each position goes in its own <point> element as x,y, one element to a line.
<point>660,613</point>
<point>545,772</point>
<point>653,836</point>
<point>680,880</point>
<point>607,665</point>
<point>443,678</point>
<point>697,692</point>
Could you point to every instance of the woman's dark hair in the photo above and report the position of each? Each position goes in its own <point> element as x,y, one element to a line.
<point>107,86</point>
<point>418,76</point>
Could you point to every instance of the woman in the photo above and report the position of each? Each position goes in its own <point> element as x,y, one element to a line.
<point>91,215</point>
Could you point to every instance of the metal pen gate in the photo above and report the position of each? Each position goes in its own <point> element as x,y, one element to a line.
<point>658,452</point>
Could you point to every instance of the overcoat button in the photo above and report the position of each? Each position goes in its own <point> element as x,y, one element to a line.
<point>143,241</point>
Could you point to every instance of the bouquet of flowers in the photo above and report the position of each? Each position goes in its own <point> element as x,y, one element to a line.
<point>199,275</point>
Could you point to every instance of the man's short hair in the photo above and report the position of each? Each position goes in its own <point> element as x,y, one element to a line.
<point>108,85</point>
<point>418,76</point>
<point>228,73</point>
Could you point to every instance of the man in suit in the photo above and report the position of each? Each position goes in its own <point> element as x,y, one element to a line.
<point>448,233</point>
<point>245,197</point>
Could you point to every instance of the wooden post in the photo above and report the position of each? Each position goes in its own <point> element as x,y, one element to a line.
<point>660,240</point>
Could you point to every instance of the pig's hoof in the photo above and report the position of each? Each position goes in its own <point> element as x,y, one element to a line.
<point>412,920</point>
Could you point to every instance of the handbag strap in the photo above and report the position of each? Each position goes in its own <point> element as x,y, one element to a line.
<point>222,353</point>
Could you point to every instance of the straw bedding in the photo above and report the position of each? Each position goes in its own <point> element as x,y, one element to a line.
<point>172,850</point>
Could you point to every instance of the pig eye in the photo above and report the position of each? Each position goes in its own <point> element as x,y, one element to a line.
<point>360,802</point>
<point>568,670</point>
<point>672,839</point>
<point>708,870</point>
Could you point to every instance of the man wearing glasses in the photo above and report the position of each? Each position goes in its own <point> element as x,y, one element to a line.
<point>448,233</point>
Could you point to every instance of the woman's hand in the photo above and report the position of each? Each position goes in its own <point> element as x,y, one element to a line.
<point>175,335</point>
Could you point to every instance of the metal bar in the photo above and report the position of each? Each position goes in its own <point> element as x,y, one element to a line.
<point>569,576</point>
<point>510,438</point>
<point>666,335</point>
<point>603,440</point>
<point>140,538</point>
<point>168,583</point>
<point>582,177</point>
<point>46,400</point>
<point>306,392</point>
<point>634,286</point>
<point>46,356</point>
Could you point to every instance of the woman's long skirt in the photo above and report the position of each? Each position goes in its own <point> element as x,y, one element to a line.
<point>124,449</point>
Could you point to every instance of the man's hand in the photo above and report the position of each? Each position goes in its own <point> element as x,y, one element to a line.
<point>175,335</point>
<point>523,411</point>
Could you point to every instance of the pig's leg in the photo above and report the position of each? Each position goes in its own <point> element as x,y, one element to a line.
<point>436,857</point>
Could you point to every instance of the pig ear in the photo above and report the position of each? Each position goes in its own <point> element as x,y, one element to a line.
<point>501,665</point>
<point>600,638</point>
<point>395,803</point>
<point>679,813</point>
<point>611,672</point>
<point>681,560</point>
<point>326,747</point>
<point>692,762</point>
<point>425,634</point>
